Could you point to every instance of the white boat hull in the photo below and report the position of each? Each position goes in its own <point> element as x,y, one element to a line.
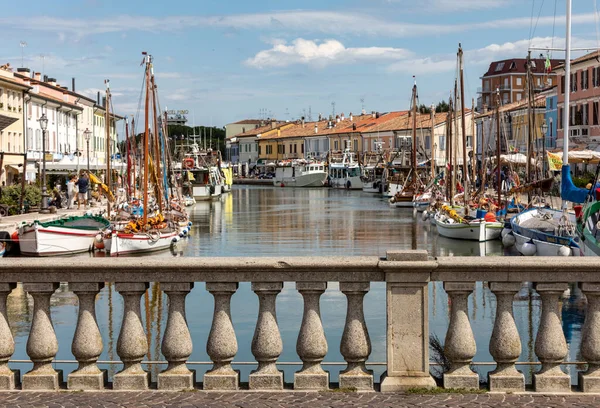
<point>37,240</point>
<point>541,248</point>
<point>392,190</point>
<point>479,231</point>
<point>203,193</point>
<point>304,180</point>
<point>350,183</point>
<point>123,244</point>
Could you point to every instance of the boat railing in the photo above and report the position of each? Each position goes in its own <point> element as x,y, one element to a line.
<point>407,275</point>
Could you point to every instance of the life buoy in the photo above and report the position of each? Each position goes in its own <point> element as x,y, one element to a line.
<point>188,163</point>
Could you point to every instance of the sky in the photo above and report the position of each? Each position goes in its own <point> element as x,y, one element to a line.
<point>227,60</point>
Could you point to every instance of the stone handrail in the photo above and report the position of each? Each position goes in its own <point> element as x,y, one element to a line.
<point>406,273</point>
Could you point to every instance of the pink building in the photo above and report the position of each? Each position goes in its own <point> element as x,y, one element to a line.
<point>585,97</point>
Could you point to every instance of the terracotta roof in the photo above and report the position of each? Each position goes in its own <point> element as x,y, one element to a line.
<point>14,81</point>
<point>405,121</point>
<point>260,129</point>
<point>343,126</point>
<point>538,102</point>
<point>592,55</point>
<point>248,122</point>
<point>55,99</point>
<point>517,65</point>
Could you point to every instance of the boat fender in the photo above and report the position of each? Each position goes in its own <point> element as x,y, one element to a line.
<point>175,239</point>
<point>190,224</point>
<point>348,184</point>
<point>508,240</point>
<point>528,249</point>
<point>14,237</point>
<point>282,185</point>
<point>181,235</point>
<point>425,215</point>
<point>98,241</point>
<point>564,251</point>
<point>184,232</point>
<point>505,231</point>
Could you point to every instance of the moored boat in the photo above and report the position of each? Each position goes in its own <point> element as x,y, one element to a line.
<point>300,174</point>
<point>345,173</point>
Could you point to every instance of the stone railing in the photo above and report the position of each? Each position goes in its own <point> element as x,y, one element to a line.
<point>406,273</point>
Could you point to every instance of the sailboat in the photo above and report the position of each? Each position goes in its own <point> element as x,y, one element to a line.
<point>546,231</point>
<point>150,231</point>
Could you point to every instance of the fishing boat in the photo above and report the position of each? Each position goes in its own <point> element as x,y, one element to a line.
<point>588,229</point>
<point>64,236</point>
<point>373,171</point>
<point>202,177</point>
<point>475,230</point>
<point>300,173</point>
<point>151,230</point>
<point>345,171</point>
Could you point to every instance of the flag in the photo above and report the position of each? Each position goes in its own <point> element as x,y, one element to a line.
<point>547,64</point>
<point>554,162</point>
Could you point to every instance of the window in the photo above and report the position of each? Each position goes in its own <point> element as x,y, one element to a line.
<point>469,141</point>
<point>512,66</point>
<point>302,148</point>
<point>442,144</point>
<point>335,145</point>
<point>533,64</point>
<point>499,66</point>
<point>560,118</point>
<point>259,150</point>
<point>584,114</point>
<point>283,149</point>
<point>584,79</point>
<point>295,148</point>
<point>38,139</point>
<point>356,145</point>
<point>29,138</point>
<point>595,114</point>
<point>574,82</point>
<point>596,76</point>
<point>562,84</point>
<point>519,96</point>
<point>506,82</point>
<point>519,81</point>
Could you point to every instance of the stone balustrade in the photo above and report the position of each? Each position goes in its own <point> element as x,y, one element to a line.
<point>407,275</point>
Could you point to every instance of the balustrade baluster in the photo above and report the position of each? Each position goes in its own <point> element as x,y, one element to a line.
<point>177,341</point>
<point>266,343</point>
<point>42,344</point>
<point>505,344</point>
<point>550,344</point>
<point>312,344</point>
<point>589,381</point>
<point>222,344</point>
<point>460,347</point>
<point>132,344</point>
<point>8,378</point>
<point>87,341</point>
<point>356,344</point>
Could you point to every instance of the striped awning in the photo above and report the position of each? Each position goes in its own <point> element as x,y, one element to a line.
<point>6,121</point>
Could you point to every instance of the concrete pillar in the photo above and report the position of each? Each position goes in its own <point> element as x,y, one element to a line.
<point>356,343</point>
<point>8,378</point>
<point>505,344</point>
<point>132,345</point>
<point>407,321</point>
<point>589,381</point>
<point>312,344</point>
<point>42,344</point>
<point>459,346</point>
<point>87,341</point>
<point>222,343</point>
<point>177,341</point>
<point>266,343</point>
<point>550,344</point>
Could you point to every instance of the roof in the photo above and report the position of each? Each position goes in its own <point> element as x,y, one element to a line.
<point>16,82</point>
<point>587,57</point>
<point>55,99</point>
<point>248,122</point>
<point>308,129</point>
<point>518,66</point>
<point>539,102</point>
<point>405,121</point>
<point>260,129</point>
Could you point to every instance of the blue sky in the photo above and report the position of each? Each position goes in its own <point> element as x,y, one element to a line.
<point>228,60</point>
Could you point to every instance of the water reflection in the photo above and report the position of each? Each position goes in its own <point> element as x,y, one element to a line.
<point>259,221</point>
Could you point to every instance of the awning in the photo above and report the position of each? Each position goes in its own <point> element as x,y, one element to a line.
<point>6,121</point>
<point>19,169</point>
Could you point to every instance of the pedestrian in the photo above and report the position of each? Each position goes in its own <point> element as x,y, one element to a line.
<point>70,192</point>
<point>82,184</point>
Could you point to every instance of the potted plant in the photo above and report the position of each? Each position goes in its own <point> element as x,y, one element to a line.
<point>1,105</point>
<point>9,108</point>
<point>20,109</point>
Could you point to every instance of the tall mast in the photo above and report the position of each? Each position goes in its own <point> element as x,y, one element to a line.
<point>498,165</point>
<point>134,161</point>
<point>432,142</point>
<point>455,141</point>
<point>567,88</point>
<point>464,132</point>
<point>473,144</point>
<point>529,121</point>
<point>414,135</point>
<point>128,155</point>
<point>145,151</point>
<point>157,161</point>
<point>450,160</point>
<point>107,128</point>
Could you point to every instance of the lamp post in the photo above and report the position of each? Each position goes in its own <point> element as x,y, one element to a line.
<point>44,125</point>
<point>87,134</point>
<point>544,132</point>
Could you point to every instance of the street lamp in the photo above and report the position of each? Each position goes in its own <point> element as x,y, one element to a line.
<point>44,125</point>
<point>87,134</point>
<point>544,132</point>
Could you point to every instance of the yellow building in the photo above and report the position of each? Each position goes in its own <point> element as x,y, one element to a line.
<point>12,125</point>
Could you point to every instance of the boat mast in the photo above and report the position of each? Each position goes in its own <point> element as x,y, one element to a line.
<point>432,142</point>
<point>567,91</point>
<point>529,121</point>
<point>498,165</point>
<point>145,151</point>
<point>473,143</point>
<point>157,161</point>
<point>127,154</point>
<point>134,148</point>
<point>414,136</point>
<point>450,159</point>
<point>107,128</point>
<point>464,132</point>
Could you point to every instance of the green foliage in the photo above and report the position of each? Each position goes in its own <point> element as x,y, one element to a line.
<point>583,180</point>
<point>424,109</point>
<point>12,194</point>
<point>442,106</point>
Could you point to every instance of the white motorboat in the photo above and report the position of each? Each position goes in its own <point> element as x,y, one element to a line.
<point>475,230</point>
<point>345,173</point>
<point>63,236</point>
<point>373,180</point>
<point>122,243</point>
<point>298,174</point>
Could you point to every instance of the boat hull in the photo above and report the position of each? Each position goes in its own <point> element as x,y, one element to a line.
<point>304,180</point>
<point>479,231</point>
<point>349,183</point>
<point>125,244</point>
<point>37,240</point>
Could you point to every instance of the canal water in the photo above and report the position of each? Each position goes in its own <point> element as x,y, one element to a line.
<point>269,221</point>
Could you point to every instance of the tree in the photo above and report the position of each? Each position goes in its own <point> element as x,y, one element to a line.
<point>442,106</point>
<point>424,109</point>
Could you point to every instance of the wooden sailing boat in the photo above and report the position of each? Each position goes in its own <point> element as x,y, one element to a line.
<point>150,231</point>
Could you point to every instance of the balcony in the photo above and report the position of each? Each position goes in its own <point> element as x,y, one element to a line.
<point>406,274</point>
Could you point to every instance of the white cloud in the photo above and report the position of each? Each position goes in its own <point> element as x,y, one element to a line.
<point>452,5</point>
<point>423,66</point>
<point>321,54</point>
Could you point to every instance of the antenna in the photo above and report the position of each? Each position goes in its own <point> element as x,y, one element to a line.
<point>43,57</point>
<point>362,105</point>
<point>309,113</point>
<point>22,44</point>
<point>333,109</point>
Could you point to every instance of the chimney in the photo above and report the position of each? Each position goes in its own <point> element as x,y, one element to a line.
<point>24,71</point>
<point>317,127</point>
<point>37,76</point>
<point>373,114</point>
<point>351,117</point>
<point>376,115</point>
<point>273,123</point>
<point>51,81</point>
<point>45,78</point>
<point>73,84</point>
<point>320,117</point>
<point>302,121</point>
<point>337,118</point>
<point>354,126</point>
<point>104,101</point>
<point>98,100</point>
<point>343,117</point>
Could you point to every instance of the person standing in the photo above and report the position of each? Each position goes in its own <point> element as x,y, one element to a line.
<point>82,184</point>
<point>70,192</point>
